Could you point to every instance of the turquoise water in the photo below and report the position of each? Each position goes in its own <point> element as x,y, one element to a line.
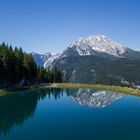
<point>74,114</point>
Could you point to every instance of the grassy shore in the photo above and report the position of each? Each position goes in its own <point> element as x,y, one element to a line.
<point>2,92</point>
<point>119,89</point>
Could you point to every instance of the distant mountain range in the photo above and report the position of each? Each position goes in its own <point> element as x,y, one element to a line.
<point>40,59</point>
<point>95,56</point>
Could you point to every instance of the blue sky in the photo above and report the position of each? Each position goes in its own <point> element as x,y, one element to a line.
<point>52,25</point>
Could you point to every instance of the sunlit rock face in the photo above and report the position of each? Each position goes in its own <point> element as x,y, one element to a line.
<point>92,98</point>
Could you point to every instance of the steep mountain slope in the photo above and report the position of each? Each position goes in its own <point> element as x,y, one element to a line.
<point>97,57</point>
<point>49,62</point>
<point>98,45</point>
<point>86,69</point>
<point>40,59</point>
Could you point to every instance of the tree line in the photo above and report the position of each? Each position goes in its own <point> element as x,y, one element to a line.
<point>55,75</point>
<point>18,68</point>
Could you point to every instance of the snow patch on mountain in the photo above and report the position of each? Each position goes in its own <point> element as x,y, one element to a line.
<point>49,62</point>
<point>40,59</point>
<point>99,43</point>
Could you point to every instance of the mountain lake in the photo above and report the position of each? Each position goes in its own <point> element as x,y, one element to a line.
<point>69,114</point>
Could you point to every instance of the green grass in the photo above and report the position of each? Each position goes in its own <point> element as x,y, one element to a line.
<point>119,89</point>
<point>2,92</point>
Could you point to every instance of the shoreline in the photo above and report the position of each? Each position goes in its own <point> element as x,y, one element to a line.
<point>119,89</point>
<point>125,90</point>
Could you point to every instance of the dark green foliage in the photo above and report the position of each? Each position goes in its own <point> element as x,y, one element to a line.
<point>42,75</point>
<point>57,75</point>
<point>16,66</point>
<point>30,68</point>
<point>51,76</point>
<point>98,80</point>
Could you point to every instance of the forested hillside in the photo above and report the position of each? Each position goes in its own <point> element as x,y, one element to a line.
<point>17,68</point>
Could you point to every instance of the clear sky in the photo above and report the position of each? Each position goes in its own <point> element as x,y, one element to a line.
<point>52,25</point>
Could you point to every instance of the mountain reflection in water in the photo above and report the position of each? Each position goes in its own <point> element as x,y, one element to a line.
<point>16,108</point>
<point>93,98</point>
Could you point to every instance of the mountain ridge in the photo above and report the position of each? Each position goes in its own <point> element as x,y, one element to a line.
<point>97,56</point>
<point>98,43</point>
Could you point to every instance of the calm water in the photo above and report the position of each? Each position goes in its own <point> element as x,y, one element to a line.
<point>82,114</point>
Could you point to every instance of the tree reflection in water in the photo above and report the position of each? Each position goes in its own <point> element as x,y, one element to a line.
<point>16,108</point>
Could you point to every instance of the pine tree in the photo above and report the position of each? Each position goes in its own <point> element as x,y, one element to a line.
<point>42,75</point>
<point>17,66</point>
<point>30,68</point>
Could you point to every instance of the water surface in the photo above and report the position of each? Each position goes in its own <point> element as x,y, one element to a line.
<point>74,114</point>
